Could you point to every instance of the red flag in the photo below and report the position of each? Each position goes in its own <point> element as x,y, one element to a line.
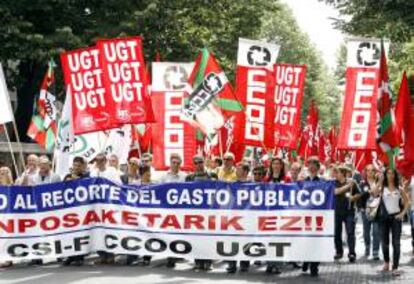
<point>125,79</point>
<point>93,108</point>
<point>321,145</point>
<point>290,83</point>
<point>309,140</point>
<point>358,123</point>
<point>171,134</point>
<point>331,150</point>
<point>404,130</point>
<point>385,134</point>
<point>255,90</point>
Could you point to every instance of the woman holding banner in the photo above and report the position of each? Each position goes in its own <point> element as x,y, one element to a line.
<point>6,179</point>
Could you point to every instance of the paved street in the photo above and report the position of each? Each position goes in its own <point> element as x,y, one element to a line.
<point>343,272</point>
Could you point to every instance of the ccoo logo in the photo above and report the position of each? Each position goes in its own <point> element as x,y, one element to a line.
<point>258,56</point>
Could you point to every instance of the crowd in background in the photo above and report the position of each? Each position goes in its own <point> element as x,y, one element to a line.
<point>382,197</point>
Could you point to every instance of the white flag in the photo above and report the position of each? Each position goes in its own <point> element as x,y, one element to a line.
<point>69,146</point>
<point>6,113</point>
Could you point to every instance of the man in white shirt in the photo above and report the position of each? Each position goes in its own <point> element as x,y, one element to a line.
<point>174,174</point>
<point>146,160</point>
<point>44,175</point>
<point>31,169</point>
<point>104,171</point>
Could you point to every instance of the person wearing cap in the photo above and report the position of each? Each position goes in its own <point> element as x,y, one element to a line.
<point>215,164</point>
<point>132,176</point>
<point>313,175</point>
<point>102,169</point>
<point>44,174</point>
<point>200,174</point>
<point>174,174</point>
<point>346,194</point>
<point>227,172</point>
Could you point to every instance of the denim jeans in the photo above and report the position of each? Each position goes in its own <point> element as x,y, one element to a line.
<point>393,226</point>
<point>371,233</point>
<point>349,221</point>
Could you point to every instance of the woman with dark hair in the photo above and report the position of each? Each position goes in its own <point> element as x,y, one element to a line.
<point>277,171</point>
<point>395,202</point>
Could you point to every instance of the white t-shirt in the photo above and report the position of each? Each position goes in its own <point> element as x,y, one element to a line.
<point>392,200</point>
<point>109,173</point>
<point>170,177</point>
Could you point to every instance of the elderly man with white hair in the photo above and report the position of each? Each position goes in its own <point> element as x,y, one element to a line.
<point>44,174</point>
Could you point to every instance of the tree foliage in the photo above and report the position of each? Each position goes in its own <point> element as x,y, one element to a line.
<point>32,32</point>
<point>393,19</point>
<point>280,26</point>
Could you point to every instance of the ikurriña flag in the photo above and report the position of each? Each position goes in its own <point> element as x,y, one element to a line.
<point>43,126</point>
<point>211,101</point>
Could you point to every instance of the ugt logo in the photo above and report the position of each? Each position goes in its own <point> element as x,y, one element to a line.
<point>258,56</point>
<point>175,77</point>
<point>368,54</point>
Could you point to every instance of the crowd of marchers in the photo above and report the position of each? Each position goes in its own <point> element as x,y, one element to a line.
<point>383,198</point>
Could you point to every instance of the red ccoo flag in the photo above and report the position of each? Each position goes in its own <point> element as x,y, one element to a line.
<point>404,125</point>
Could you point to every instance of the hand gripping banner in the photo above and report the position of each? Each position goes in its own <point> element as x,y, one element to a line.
<point>173,135</point>
<point>213,220</point>
<point>254,89</point>
<point>358,124</point>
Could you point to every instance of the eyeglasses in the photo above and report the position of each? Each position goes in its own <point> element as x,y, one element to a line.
<point>175,163</point>
<point>133,164</point>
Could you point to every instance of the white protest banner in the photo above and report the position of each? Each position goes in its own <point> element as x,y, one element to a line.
<point>214,220</point>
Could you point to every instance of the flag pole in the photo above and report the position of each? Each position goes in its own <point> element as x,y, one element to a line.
<point>220,145</point>
<point>11,150</point>
<point>19,144</point>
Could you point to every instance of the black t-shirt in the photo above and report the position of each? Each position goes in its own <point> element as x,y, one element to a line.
<point>364,187</point>
<point>343,206</point>
<point>201,176</point>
